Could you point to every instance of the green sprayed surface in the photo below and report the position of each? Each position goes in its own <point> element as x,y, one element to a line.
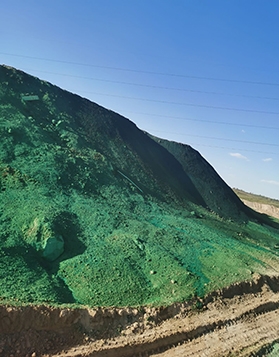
<point>89,214</point>
<point>275,351</point>
<point>126,250</point>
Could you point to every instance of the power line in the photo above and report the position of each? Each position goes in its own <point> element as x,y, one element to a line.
<point>216,138</point>
<point>206,106</point>
<point>174,103</point>
<point>215,146</point>
<point>142,71</point>
<point>235,149</point>
<point>205,121</point>
<point>175,117</point>
<point>153,86</point>
<point>188,104</point>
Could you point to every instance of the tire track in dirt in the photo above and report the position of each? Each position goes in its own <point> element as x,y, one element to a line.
<point>242,338</point>
<point>240,319</point>
<point>218,331</point>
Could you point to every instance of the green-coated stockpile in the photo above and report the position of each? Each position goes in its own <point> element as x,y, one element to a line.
<point>94,211</point>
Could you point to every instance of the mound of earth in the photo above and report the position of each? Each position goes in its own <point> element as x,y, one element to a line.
<point>94,211</point>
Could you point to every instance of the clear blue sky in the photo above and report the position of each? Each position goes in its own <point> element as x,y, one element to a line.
<point>201,72</point>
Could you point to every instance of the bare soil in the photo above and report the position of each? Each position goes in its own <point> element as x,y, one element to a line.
<point>268,209</point>
<point>240,320</point>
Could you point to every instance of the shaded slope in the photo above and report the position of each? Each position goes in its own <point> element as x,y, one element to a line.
<point>105,215</point>
<point>132,151</point>
<point>216,194</point>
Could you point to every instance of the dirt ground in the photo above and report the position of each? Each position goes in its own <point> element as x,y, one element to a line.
<point>241,320</point>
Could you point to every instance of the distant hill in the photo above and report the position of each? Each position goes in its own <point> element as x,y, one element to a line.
<point>248,196</point>
<point>259,203</point>
<point>95,211</point>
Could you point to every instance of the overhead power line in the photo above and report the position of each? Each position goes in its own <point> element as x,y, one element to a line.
<point>142,71</point>
<point>216,138</point>
<point>153,86</point>
<point>169,102</point>
<point>234,149</point>
<point>178,103</point>
<point>175,117</point>
<point>188,104</point>
<point>204,121</point>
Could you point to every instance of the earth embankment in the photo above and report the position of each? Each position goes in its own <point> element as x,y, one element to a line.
<point>270,210</point>
<point>238,320</point>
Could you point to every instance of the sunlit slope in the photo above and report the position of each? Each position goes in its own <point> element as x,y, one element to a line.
<point>95,211</point>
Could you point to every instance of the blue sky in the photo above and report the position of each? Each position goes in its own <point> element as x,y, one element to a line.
<point>205,73</point>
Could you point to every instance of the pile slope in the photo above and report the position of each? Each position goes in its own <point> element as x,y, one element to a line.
<point>95,211</point>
